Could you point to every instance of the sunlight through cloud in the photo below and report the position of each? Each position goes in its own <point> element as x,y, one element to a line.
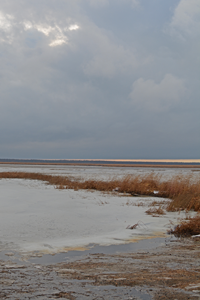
<point>45,30</point>
<point>73,27</point>
<point>4,21</point>
<point>58,42</point>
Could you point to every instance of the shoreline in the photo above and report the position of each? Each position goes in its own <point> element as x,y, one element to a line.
<point>133,165</point>
<point>169,271</point>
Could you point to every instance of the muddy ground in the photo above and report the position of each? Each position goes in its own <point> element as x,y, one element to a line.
<point>168,272</point>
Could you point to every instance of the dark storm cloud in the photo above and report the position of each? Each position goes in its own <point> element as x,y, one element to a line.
<point>99,79</point>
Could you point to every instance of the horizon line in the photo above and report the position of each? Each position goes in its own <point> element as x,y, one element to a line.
<point>185,160</point>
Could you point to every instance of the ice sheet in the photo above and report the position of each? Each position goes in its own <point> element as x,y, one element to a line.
<point>95,172</point>
<point>37,217</point>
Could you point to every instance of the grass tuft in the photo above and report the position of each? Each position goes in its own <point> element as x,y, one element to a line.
<point>187,227</point>
<point>155,211</point>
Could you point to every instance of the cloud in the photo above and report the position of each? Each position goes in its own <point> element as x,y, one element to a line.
<point>5,21</point>
<point>98,3</point>
<point>80,81</point>
<point>135,3</point>
<point>186,19</point>
<point>105,3</point>
<point>108,58</point>
<point>73,27</point>
<point>48,20</point>
<point>157,97</point>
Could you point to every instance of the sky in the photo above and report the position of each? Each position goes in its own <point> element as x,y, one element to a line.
<point>99,79</point>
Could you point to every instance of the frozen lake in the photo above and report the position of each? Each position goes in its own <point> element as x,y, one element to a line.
<point>37,217</point>
<point>94,172</point>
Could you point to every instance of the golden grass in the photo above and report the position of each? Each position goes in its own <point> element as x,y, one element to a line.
<point>183,191</point>
<point>158,203</point>
<point>155,211</point>
<point>187,228</point>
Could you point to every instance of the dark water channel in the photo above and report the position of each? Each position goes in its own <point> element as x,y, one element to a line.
<point>46,259</point>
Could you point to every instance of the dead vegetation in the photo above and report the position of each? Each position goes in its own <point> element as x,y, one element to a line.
<point>184,191</point>
<point>131,203</point>
<point>174,269</point>
<point>187,227</point>
<point>155,211</point>
<point>163,273</point>
<point>158,203</point>
<point>139,224</point>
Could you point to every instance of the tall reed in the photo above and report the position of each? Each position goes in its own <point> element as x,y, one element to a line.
<point>187,227</point>
<point>183,191</point>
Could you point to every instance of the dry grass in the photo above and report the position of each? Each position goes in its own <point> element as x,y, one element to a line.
<point>186,201</point>
<point>140,204</point>
<point>187,228</point>
<point>183,191</point>
<point>155,211</point>
<point>132,203</point>
<point>158,203</point>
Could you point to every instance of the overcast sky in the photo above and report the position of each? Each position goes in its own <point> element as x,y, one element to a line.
<point>99,79</point>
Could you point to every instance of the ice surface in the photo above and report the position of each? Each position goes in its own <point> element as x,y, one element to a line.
<point>94,172</point>
<point>36,216</point>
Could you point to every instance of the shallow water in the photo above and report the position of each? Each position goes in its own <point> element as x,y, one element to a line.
<point>38,258</point>
<point>143,245</point>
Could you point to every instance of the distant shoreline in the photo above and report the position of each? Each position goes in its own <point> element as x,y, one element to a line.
<point>102,164</point>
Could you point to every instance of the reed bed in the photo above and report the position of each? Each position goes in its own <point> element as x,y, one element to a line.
<point>187,227</point>
<point>184,191</point>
